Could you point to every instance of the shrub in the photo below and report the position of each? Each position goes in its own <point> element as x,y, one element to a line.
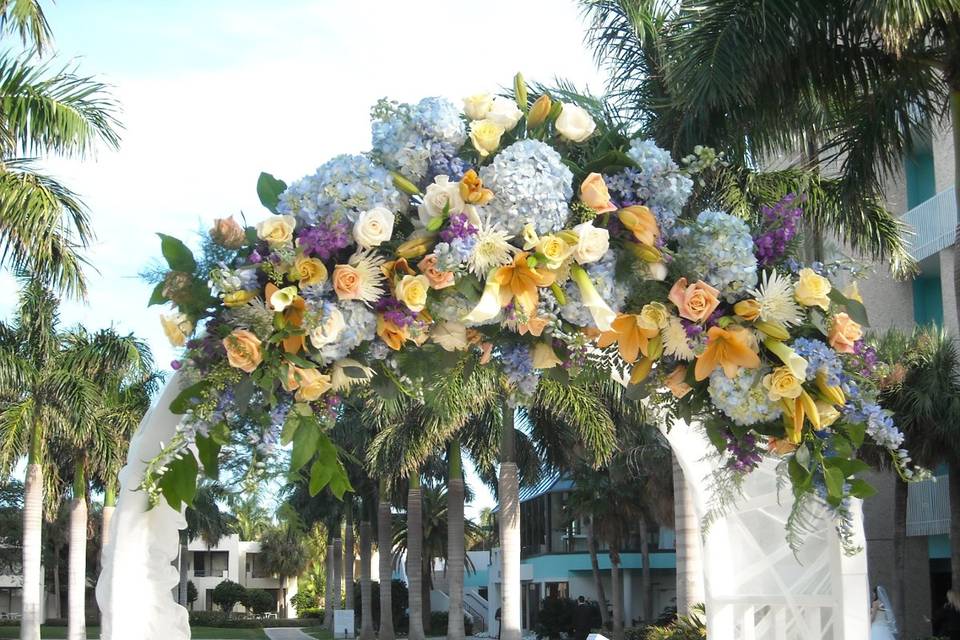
<point>313,613</point>
<point>399,601</point>
<point>689,627</point>
<point>227,594</point>
<point>439,620</point>
<point>555,617</point>
<point>192,593</point>
<point>259,601</point>
<point>220,619</point>
<point>303,601</point>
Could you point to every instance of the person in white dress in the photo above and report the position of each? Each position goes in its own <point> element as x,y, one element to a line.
<point>883,625</point>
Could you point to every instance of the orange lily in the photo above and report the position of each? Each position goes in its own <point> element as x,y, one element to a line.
<point>390,333</point>
<point>727,348</point>
<point>534,326</point>
<point>519,282</point>
<point>293,316</point>
<point>632,335</point>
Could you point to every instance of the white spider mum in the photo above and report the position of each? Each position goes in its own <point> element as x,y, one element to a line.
<point>675,340</point>
<point>492,250</point>
<point>775,295</point>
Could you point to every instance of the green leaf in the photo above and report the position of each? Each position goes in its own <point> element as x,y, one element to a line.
<point>326,465</point>
<point>357,373</point>
<point>220,433</point>
<point>854,309</point>
<point>179,483</point>
<point>856,432</point>
<point>799,477</point>
<point>340,482</point>
<point>320,475</point>
<point>435,223</point>
<point>300,361</point>
<point>209,451</point>
<point>304,444</point>
<point>818,320</point>
<point>177,255</point>
<point>802,456</point>
<point>269,190</point>
<point>834,479</point>
<point>182,403</point>
<point>157,296</point>
<point>860,488</point>
<point>609,160</point>
<point>290,428</point>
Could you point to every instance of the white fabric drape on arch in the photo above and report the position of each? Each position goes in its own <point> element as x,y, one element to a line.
<point>135,589</point>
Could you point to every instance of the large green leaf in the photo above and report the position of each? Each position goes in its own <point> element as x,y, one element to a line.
<point>854,308</point>
<point>182,403</point>
<point>179,483</point>
<point>269,190</point>
<point>326,465</point>
<point>209,451</point>
<point>157,297</point>
<point>304,444</point>
<point>177,255</point>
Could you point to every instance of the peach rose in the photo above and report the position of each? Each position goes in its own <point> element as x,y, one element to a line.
<point>843,333</point>
<point>346,282</point>
<point>243,350</point>
<point>694,302</point>
<point>313,384</point>
<point>594,194</point>
<point>228,233</point>
<point>675,382</point>
<point>641,221</point>
<point>438,279</point>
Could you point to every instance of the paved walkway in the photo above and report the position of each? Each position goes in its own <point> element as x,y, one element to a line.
<point>286,634</point>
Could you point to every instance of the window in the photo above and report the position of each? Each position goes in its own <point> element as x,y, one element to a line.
<point>199,564</point>
<point>556,589</point>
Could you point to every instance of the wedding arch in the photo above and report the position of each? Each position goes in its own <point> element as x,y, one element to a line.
<point>529,236</point>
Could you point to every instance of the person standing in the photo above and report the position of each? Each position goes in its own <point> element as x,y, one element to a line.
<point>946,621</point>
<point>582,619</point>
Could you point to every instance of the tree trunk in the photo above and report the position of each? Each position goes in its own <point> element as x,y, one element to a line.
<point>645,585</point>
<point>56,583</point>
<point>415,556</point>
<point>899,550</point>
<point>509,495</point>
<point>283,596</point>
<point>954,480</point>
<point>385,550</point>
<point>77,570</point>
<point>349,549</point>
<point>426,588</point>
<point>337,586</point>
<point>32,522</point>
<point>366,595</point>
<point>955,125</point>
<point>328,589</point>
<point>456,544</point>
<point>109,506</point>
<point>592,547</point>
<point>616,588</point>
<point>689,563</point>
<point>184,566</point>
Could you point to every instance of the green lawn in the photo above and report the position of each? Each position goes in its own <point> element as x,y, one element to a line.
<point>317,632</point>
<point>201,633</point>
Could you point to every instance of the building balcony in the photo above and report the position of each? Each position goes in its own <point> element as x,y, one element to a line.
<point>928,507</point>
<point>934,224</point>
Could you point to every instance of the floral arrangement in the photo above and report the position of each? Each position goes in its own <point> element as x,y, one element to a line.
<point>536,236</point>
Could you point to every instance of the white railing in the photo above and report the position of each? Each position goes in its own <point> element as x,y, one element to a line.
<point>928,508</point>
<point>934,224</point>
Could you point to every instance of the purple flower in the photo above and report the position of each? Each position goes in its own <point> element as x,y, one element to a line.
<point>779,228</point>
<point>324,240</point>
<point>175,365</point>
<point>255,257</point>
<point>459,227</point>
<point>396,312</point>
<point>744,453</point>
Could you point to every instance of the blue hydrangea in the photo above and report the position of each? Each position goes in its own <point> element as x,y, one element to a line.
<point>452,255</point>
<point>656,182</point>
<point>340,190</point>
<point>378,350</point>
<point>602,273</point>
<point>879,423</point>
<point>743,398</point>
<point>517,363</point>
<point>820,358</point>
<point>360,325</point>
<point>530,183</point>
<point>419,140</point>
<point>719,250</point>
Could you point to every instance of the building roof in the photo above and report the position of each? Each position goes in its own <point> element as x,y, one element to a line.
<point>551,482</point>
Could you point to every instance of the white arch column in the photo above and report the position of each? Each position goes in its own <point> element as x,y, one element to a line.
<point>755,587</point>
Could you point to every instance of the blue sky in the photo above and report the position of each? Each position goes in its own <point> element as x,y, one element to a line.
<point>214,92</point>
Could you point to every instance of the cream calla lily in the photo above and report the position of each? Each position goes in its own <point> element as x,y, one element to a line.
<point>283,298</point>
<point>601,312</point>
<point>489,305</point>
<point>544,357</point>
<point>789,357</point>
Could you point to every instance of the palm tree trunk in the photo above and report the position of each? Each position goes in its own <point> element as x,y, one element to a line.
<point>366,596</point>
<point>184,565</point>
<point>415,556</point>
<point>283,596</point>
<point>509,493</point>
<point>348,557</point>
<point>955,125</point>
<point>689,563</point>
<point>646,587</point>
<point>56,583</point>
<point>337,587</point>
<point>32,523</point>
<point>328,589</point>
<point>426,586</point>
<point>899,549</point>
<point>954,480</point>
<point>385,549</point>
<point>616,587</point>
<point>456,546</point>
<point>77,571</point>
<point>592,547</point>
<point>109,506</point>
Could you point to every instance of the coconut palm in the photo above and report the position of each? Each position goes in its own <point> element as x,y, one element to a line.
<point>385,567</point>
<point>45,110</point>
<point>283,552</point>
<point>252,520</point>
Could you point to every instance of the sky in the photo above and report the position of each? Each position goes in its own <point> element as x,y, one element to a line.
<point>214,92</point>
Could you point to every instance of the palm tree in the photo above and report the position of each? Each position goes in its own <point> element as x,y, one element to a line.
<point>415,555</point>
<point>456,537</point>
<point>205,520</point>
<point>385,568</point>
<point>43,225</point>
<point>366,585</point>
<point>284,554</point>
<point>252,520</point>
<point>349,552</point>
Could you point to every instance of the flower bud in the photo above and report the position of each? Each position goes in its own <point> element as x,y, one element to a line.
<point>404,185</point>
<point>830,393</point>
<point>810,408</point>
<point>227,233</point>
<point>555,110</point>
<point>646,253</point>
<point>558,294</point>
<point>749,310</point>
<point>774,330</point>
<point>641,370</point>
<point>416,246</point>
<point>655,347</point>
<point>520,91</point>
<point>539,112</point>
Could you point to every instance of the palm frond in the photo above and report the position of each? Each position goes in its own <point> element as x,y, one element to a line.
<point>27,20</point>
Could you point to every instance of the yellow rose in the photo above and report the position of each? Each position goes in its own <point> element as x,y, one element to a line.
<point>748,309</point>
<point>812,290</point>
<point>277,229</point>
<point>782,384</point>
<point>243,350</point>
<point>554,249</point>
<point>309,271</point>
<point>654,315</point>
<point>176,327</point>
<point>485,136</point>
<point>412,291</point>
<point>844,332</point>
<point>238,298</point>
<point>313,384</point>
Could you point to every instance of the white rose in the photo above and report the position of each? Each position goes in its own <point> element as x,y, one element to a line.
<point>505,113</point>
<point>451,336</point>
<point>328,330</point>
<point>439,195</point>
<point>658,271</point>
<point>477,106</point>
<point>592,243</point>
<point>277,229</point>
<point>373,227</point>
<point>574,123</point>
